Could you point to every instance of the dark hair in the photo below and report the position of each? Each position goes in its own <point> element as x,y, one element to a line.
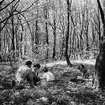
<point>45,69</point>
<point>81,66</point>
<point>28,63</point>
<point>37,65</point>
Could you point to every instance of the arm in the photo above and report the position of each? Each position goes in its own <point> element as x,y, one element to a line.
<point>43,76</point>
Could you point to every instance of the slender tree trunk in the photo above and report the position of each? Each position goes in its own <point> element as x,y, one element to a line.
<point>46,24</point>
<point>45,10</point>
<point>22,40</point>
<point>36,31</point>
<point>0,31</point>
<point>67,34</point>
<point>102,15</point>
<point>0,37</point>
<point>13,34</point>
<point>46,28</point>
<point>99,22</point>
<point>47,41</point>
<point>87,41</point>
<point>36,34</point>
<point>13,38</point>
<point>54,33</point>
<point>62,48</point>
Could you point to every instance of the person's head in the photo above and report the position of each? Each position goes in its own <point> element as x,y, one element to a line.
<point>29,63</point>
<point>37,66</point>
<point>45,69</point>
<point>81,66</point>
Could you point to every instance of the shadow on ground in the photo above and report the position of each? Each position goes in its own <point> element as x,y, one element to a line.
<point>62,92</point>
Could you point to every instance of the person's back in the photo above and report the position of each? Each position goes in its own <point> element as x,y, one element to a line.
<point>25,73</point>
<point>22,73</point>
<point>49,76</point>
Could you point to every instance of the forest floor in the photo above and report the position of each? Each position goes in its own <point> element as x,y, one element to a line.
<point>70,88</point>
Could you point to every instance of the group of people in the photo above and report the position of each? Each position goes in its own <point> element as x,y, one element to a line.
<point>29,72</point>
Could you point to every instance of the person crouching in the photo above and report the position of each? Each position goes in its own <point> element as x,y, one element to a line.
<point>83,69</point>
<point>36,78</point>
<point>25,73</point>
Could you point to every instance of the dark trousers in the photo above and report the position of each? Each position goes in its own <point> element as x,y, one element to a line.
<point>36,79</point>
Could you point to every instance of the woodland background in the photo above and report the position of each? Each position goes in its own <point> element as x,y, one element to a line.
<point>57,33</point>
<point>49,29</point>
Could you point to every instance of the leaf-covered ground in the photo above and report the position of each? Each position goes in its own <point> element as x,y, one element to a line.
<point>70,88</point>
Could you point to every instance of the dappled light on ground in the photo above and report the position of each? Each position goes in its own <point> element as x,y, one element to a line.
<point>70,88</point>
<point>89,62</point>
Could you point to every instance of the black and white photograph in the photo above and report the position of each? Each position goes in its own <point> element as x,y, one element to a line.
<point>52,52</point>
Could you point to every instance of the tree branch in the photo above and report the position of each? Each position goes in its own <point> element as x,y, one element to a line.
<point>6,5</point>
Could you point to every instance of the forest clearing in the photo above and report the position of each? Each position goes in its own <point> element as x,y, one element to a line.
<point>63,92</point>
<point>52,52</point>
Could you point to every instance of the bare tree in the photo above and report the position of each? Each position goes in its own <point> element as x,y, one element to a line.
<point>102,15</point>
<point>45,8</point>
<point>100,65</point>
<point>68,31</point>
<point>4,6</point>
<point>54,33</point>
<point>36,32</point>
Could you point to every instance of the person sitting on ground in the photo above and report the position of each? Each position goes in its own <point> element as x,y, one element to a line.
<point>47,75</point>
<point>83,69</point>
<point>36,79</point>
<point>25,73</point>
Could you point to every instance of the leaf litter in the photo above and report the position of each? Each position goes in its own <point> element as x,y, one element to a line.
<point>62,92</point>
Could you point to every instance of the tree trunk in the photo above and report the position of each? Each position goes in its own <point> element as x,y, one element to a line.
<point>46,30</point>
<point>99,22</point>
<point>54,33</point>
<point>0,31</point>
<point>36,34</point>
<point>102,15</point>
<point>13,38</point>
<point>0,36</point>
<point>22,40</point>
<point>87,38</point>
<point>36,31</point>
<point>62,48</point>
<point>67,34</point>
<point>47,41</point>
<point>100,61</point>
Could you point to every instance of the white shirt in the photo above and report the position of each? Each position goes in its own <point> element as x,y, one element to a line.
<point>48,76</point>
<point>22,72</point>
